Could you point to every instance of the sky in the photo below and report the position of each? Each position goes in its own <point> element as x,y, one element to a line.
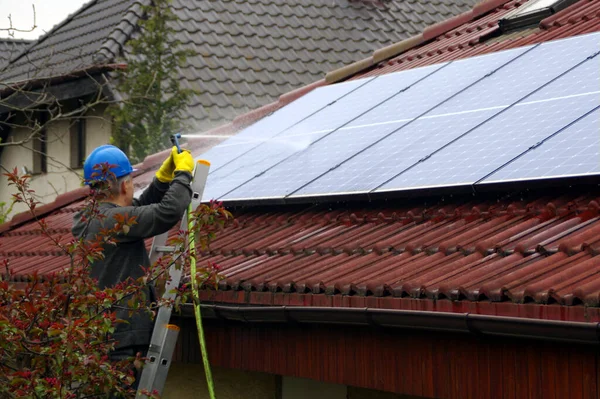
<point>47,14</point>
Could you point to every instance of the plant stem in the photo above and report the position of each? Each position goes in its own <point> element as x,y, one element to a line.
<point>196,299</point>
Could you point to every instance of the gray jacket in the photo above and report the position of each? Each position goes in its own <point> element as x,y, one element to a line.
<point>160,207</point>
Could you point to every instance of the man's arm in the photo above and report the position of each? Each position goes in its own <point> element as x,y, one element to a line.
<point>152,194</point>
<point>160,183</point>
<point>157,218</point>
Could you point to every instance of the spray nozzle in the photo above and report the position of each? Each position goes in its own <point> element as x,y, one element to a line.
<point>175,141</point>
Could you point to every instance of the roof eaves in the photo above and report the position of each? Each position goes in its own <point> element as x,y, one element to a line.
<point>111,48</point>
<point>8,88</point>
<point>428,34</point>
<point>475,324</point>
<point>60,201</point>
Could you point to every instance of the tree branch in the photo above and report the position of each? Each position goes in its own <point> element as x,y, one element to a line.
<point>11,28</point>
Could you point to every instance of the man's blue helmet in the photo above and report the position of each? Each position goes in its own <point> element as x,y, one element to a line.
<point>106,154</point>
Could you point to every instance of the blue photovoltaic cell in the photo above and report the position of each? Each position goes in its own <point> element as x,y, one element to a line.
<point>308,164</point>
<point>437,88</point>
<point>574,151</point>
<point>526,74</point>
<point>394,154</point>
<point>338,146</point>
<point>303,134</point>
<point>445,123</point>
<point>507,135</point>
<point>271,125</point>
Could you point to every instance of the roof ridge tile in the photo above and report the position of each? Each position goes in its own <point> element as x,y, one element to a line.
<point>109,50</point>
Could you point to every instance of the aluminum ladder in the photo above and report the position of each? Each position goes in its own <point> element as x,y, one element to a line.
<point>164,335</point>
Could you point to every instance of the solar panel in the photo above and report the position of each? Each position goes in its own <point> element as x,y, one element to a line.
<point>414,144</point>
<point>574,151</point>
<point>394,154</point>
<point>500,139</point>
<point>305,166</point>
<point>300,136</point>
<point>272,125</point>
<point>442,125</point>
<point>525,75</point>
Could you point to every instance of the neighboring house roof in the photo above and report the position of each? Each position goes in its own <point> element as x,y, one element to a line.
<point>248,52</point>
<point>512,256</point>
<point>10,48</point>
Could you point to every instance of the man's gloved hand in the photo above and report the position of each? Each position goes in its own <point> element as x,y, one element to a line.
<point>184,161</point>
<point>165,173</point>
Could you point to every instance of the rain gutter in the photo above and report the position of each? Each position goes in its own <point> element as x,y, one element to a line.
<point>445,322</point>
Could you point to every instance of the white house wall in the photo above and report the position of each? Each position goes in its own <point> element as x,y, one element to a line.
<point>59,179</point>
<point>98,129</point>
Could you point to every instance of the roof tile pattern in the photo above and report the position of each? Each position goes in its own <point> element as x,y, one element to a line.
<point>248,52</point>
<point>482,35</point>
<point>73,44</point>
<point>535,257</point>
<point>544,251</point>
<point>10,48</point>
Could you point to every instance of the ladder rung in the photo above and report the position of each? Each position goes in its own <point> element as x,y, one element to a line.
<point>165,248</point>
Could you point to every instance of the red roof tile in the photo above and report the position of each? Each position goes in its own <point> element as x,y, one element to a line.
<point>543,251</point>
<point>472,33</point>
<point>535,258</point>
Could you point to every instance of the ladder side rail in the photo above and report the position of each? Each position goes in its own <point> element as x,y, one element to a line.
<point>164,337</point>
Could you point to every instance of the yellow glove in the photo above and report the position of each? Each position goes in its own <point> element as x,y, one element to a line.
<point>183,161</point>
<point>165,173</point>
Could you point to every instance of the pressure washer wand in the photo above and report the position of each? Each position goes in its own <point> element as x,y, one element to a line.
<point>175,141</point>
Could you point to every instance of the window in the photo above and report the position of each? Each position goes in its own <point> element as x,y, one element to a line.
<point>40,148</point>
<point>77,139</point>
<point>532,13</point>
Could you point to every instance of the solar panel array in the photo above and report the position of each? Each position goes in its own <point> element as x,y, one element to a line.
<point>529,113</point>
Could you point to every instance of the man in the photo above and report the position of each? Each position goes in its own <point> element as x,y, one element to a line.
<point>160,207</point>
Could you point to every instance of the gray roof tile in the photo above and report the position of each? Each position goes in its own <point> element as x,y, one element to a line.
<point>11,48</point>
<point>248,51</point>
